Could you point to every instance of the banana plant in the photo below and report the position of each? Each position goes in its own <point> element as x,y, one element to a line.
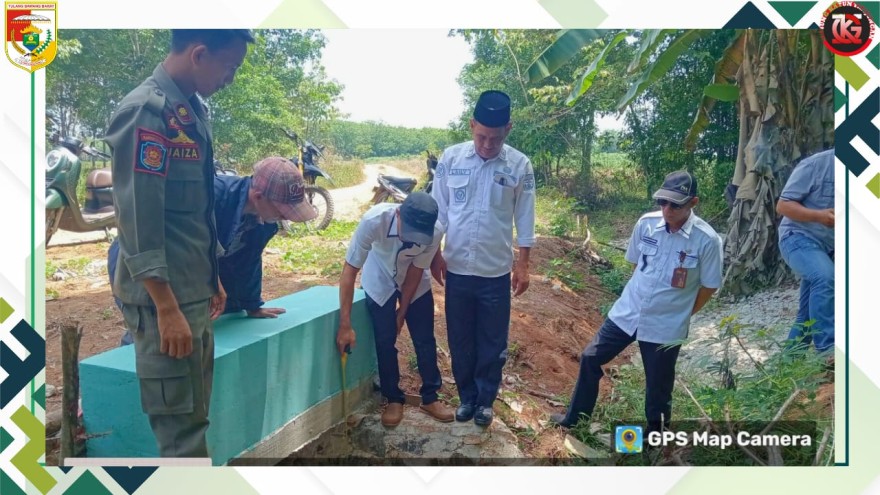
<point>782,81</point>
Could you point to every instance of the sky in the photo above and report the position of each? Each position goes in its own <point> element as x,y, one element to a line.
<point>403,77</point>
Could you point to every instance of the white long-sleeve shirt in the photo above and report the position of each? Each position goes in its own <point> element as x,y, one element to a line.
<point>480,201</point>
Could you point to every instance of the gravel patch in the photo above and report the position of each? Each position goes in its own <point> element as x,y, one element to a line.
<point>773,310</point>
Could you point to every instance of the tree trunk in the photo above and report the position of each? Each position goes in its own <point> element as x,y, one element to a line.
<point>784,117</point>
<point>70,337</point>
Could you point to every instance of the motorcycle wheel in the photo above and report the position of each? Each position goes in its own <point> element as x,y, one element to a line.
<point>322,202</point>
<point>53,220</point>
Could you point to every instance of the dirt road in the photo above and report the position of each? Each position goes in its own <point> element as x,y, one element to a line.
<point>351,202</point>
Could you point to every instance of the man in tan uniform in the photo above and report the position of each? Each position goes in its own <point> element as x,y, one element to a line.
<point>163,188</point>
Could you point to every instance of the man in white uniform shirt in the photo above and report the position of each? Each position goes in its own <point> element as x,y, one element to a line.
<point>394,244</point>
<point>483,187</point>
<point>678,263</point>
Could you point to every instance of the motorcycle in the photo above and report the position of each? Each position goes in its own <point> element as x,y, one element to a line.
<point>393,189</point>
<point>306,160</point>
<point>220,169</point>
<point>396,189</point>
<point>63,212</point>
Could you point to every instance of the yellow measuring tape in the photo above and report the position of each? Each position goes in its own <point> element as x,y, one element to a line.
<point>342,361</point>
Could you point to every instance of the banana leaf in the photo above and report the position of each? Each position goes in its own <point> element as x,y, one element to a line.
<point>589,75</point>
<point>568,43</point>
<point>650,41</point>
<point>664,62</point>
<point>725,71</point>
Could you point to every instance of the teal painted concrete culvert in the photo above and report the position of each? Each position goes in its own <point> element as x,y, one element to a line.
<point>266,372</point>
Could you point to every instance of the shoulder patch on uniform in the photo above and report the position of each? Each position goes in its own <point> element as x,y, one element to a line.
<point>151,153</point>
<point>528,181</point>
<point>441,171</point>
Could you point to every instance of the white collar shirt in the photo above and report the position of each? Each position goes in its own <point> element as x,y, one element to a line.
<point>385,259</point>
<point>650,305</point>
<point>480,202</point>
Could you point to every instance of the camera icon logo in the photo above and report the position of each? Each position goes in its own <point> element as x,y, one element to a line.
<point>628,439</point>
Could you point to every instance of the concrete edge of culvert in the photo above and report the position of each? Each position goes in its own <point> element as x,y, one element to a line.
<point>418,440</point>
<point>306,428</point>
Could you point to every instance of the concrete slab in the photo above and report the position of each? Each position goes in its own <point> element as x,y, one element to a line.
<point>266,373</point>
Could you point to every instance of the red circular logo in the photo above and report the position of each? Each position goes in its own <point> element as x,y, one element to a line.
<point>847,28</point>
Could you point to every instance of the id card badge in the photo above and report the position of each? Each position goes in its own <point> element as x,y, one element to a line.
<point>679,277</point>
<point>680,274</point>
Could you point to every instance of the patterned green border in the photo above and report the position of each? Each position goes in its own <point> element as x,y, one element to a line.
<point>30,372</point>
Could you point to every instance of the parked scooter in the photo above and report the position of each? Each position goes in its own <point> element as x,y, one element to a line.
<point>63,167</point>
<point>396,189</point>
<point>307,161</point>
<point>392,189</point>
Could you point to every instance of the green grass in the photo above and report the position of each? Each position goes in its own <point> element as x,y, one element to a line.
<point>556,215</point>
<point>345,173</point>
<point>759,393</point>
<point>51,268</point>
<point>563,270</point>
<point>315,253</point>
<point>75,265</point>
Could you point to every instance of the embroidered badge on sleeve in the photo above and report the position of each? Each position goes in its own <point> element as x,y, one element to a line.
<point>151,153</point>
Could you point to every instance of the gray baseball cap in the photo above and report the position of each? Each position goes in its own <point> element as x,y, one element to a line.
<point>418,214</point>
<point>679,187</point>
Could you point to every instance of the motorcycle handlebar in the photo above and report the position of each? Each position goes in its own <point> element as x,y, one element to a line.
<point>88,150</point>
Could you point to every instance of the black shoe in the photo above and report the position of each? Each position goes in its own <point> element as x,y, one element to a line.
<point>465,412</point>
<point>483,416</point>
<point>559,420</point>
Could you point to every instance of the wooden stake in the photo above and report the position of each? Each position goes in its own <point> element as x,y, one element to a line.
<point>71,333</point>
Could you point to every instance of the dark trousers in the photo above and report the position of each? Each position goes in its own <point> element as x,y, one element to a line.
<point>477,324</point>
<point>420,323</point>
<point>659,362</point>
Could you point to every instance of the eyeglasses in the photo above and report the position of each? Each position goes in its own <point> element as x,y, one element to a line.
<point>663,202</point>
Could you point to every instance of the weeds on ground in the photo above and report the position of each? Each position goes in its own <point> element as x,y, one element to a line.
<point>315,253</point>
<point>51,268</point>
<point>563,270</point>
<point>778,393</point>
<point>73,265</point>
<point>557,215</point>
<point>345,173</point>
